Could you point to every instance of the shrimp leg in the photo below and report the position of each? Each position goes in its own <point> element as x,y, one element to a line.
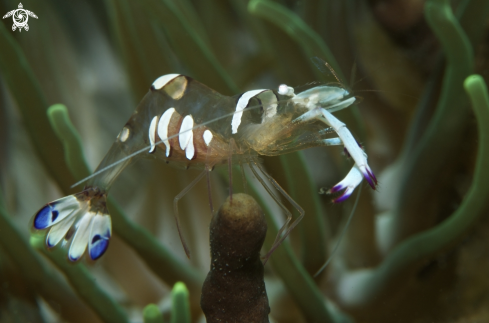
<point>358,155</point>
<point>176,213</point>
<point>209,192</point>
<point>286,227</point>
<point>361,169</point>
<point>350,182</point>
<point>280,238</point>
<point>232,146</point>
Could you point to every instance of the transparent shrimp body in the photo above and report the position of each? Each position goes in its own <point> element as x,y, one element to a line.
<point>189,125</point>
<point>296,122</point>
<point>281,134</point>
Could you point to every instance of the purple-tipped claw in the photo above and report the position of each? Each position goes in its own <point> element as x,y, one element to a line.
<point>369,180</point>
<point>338,187</point>
<point>346,194</point>
<point>352,180</point>
<point>372,175</point>
<point>349,183</point>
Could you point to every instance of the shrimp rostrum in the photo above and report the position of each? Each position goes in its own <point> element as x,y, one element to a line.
<point>189,125</point>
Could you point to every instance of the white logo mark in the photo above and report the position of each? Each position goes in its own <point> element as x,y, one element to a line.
<point>20,17</point>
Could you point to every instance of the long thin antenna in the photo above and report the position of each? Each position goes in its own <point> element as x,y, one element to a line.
<point>332,71</point>
<point>343,232</point>
<point>320,64</point>
<point>353,75</point>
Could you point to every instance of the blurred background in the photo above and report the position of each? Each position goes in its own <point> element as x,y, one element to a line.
<point>412,252</point>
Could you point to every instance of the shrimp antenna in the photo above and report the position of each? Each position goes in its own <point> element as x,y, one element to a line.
<point>332,71</point>
<point>325,68</point>
<point>320,64</point>
<point>159,142</point>
<point>343,232</point>
<point>353,74</point>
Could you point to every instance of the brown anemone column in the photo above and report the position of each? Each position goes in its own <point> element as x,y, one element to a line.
<point>234,290</point>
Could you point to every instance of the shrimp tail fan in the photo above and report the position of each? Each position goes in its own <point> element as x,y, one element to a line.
<point>77,221</point>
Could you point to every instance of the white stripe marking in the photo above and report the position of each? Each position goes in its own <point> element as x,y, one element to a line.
<point>124,134</point>
<point>190,150</point>
<point>152,132</point>
<point>80,240</point>
<point>207,137</point>
<point>163,80</point>
<point>59,230</point>
<point>186,134</point>
<point>163,125</point>
<point>242,103</point>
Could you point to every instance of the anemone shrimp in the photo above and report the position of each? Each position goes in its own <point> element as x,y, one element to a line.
<point>188,125</point>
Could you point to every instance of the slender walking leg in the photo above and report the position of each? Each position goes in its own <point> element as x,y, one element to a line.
<point>208,172</point>
<point>175,209</point>
<point>287,228</point>
<point>232,144</point>
<point>278,239</point>
<point>243,177</point>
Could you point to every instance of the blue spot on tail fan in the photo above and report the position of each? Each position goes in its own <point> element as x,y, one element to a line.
<point>43,217</point>
<point>98,246</point>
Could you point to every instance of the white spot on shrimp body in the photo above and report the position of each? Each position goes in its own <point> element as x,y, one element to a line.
<point>242,103</point>
<point>152,133</point>
<point>186,136</point>
<point>163,125</point>
<point>207,137</point>
<point>284,89</point>
<point>124,135</point>
<point>163,80</point>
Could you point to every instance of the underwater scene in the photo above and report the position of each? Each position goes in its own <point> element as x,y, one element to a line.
<point>277,161</point>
